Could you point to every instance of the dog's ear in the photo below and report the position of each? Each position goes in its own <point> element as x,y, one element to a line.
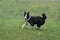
<point>28,13</point>
<point>24,13</point>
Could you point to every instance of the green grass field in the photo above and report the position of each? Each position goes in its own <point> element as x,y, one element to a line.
<point>11,19</point>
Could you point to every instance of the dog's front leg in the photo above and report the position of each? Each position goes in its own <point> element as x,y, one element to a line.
<point>32,26</point>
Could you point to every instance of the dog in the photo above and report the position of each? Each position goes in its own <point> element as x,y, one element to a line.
<point>34,20</point>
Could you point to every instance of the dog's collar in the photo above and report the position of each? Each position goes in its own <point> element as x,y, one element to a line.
<point>28,19</point>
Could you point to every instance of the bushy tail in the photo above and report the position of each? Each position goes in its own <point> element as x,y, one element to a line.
<point>44,16</point>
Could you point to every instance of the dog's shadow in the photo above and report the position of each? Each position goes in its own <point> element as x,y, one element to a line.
<point>41,30</point>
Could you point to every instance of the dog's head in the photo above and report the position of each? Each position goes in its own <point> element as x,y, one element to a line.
<point>26,15</point>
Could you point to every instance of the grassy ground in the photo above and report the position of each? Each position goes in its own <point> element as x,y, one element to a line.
<point>11,19</point>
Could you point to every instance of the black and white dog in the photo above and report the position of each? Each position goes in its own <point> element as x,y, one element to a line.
<point>32,20</point>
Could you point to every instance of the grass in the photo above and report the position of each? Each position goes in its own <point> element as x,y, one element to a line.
<point>11,19</point>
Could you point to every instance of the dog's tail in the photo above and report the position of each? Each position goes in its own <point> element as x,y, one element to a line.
<point>44,16</point>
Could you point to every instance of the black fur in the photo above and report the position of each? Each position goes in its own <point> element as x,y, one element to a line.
<point>36,20</point>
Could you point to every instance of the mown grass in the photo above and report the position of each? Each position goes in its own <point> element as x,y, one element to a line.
<point>11,19</point>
